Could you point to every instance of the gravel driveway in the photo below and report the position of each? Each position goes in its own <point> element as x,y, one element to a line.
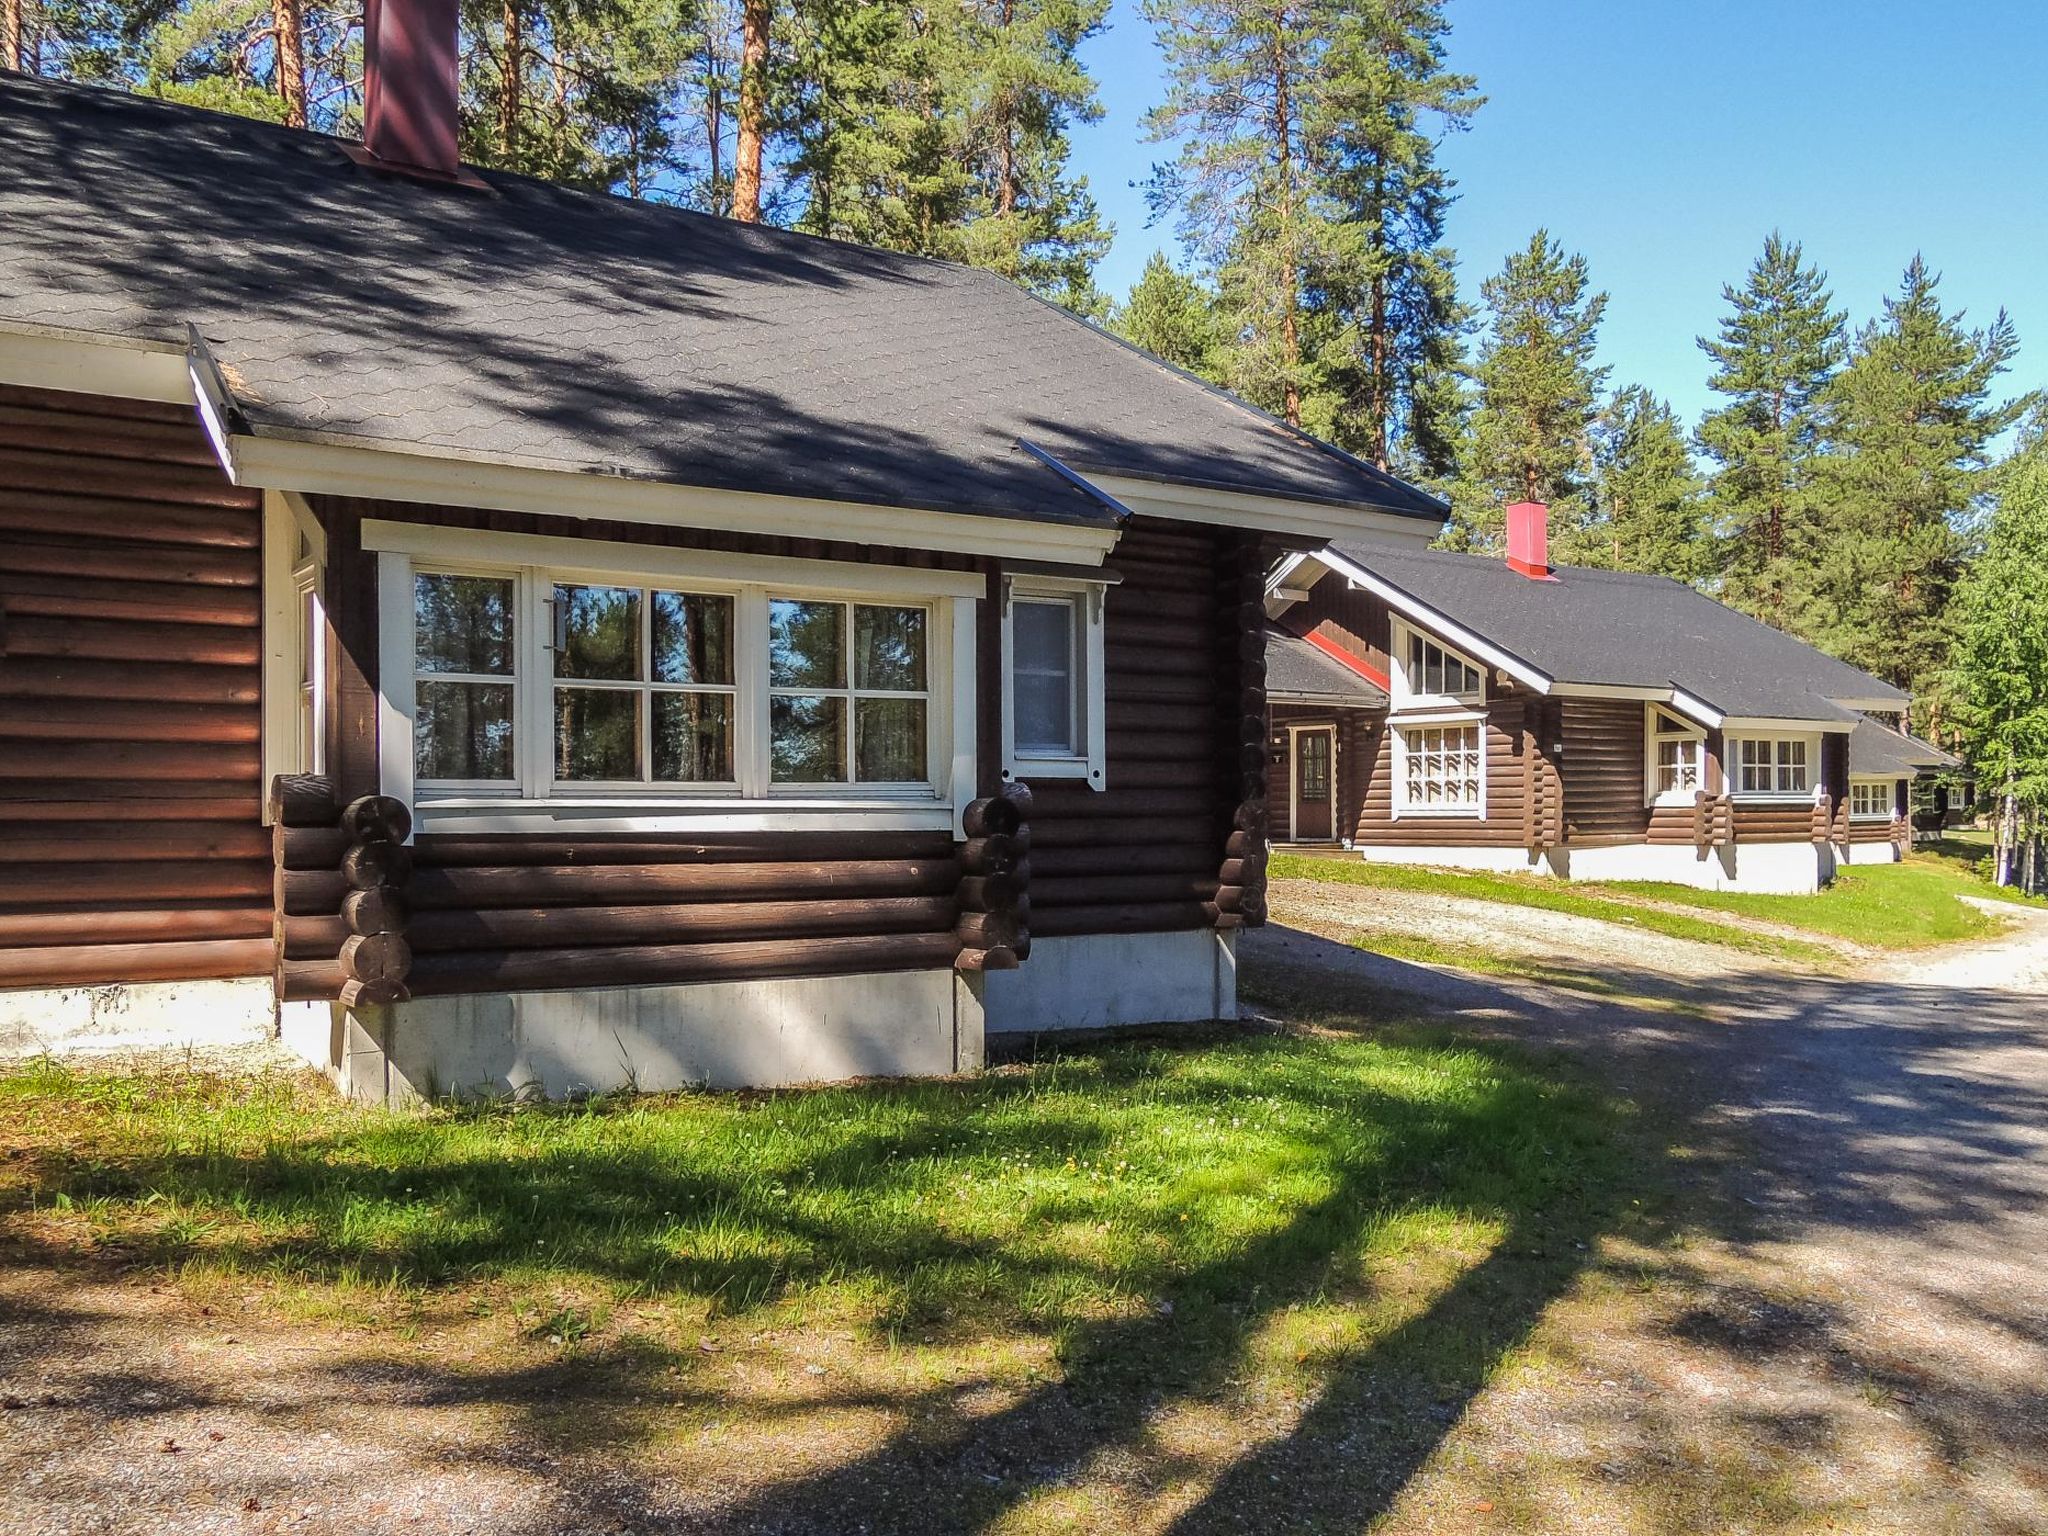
<point>1852,1333</point>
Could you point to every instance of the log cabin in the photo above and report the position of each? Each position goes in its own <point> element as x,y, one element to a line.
<point>1886,765</point>
<point>1472,712</point>
<point>526,640</point>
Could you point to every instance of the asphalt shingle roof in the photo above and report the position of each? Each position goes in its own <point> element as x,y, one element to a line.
<point>1297,670</point>
<point>1627,630</point>
<point>543,326</point>
<point>1876,749</point>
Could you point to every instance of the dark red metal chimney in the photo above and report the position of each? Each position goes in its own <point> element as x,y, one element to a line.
<point>409,84</point>
<point>1529,539</point>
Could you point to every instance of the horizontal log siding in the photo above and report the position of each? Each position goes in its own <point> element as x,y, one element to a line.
<point>131,837</point>
<point>1506,791</point>
<point>1870,831</point>
<point>1773,821</point>
<point>1356,621</point>
<point>1602,769</point>
<point>1142,854</point>
<point>533,912</point>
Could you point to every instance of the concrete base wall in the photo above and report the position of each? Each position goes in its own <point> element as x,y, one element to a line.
<point>1102,981</point>
<point>753,1034</point>
<point>1763,868</point>
<point>1867,853</point>
<point>164,1015</point>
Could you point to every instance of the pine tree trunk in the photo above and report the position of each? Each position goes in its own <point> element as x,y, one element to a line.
<point>12,25</point>
<point>1290,297</point>
<point>1006,140</point>
<point>510,85</point>
<point>746,176</point>
<point>2008,830</point>
<point>289,18</point>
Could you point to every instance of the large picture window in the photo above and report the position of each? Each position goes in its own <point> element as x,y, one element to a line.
<point>1773,765</point>
<point>557,690</point>
<point>1441,770</point>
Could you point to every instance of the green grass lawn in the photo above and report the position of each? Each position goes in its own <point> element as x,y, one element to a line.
<point>1548,895</point>
<point>1178,1237</point>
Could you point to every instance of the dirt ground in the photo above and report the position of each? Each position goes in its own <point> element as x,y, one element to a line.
<point>1850,1332</point>
<point>1844,1326</point>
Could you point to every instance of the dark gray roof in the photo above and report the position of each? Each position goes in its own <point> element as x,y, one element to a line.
<point>1878,750</point>
<point>544,326</point>
<point>1626,630</point>
<point>1296,670</point>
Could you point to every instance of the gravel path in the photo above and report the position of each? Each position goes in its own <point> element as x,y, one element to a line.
<point>1853,1334</point>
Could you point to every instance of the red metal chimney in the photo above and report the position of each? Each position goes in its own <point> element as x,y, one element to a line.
<point>409,84</point>
<point>1529,540</point>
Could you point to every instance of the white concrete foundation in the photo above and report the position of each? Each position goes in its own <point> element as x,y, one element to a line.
<point>1102,981</point>
<point>135,1016</point>
<point>1769,869</point>
<point>747,1034</point>
<point>1868,853</point>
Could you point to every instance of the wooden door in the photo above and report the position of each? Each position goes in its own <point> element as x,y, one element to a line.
<point>1315,780</point>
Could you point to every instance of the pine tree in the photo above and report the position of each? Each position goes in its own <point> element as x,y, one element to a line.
<point>1399,337</point>
<point>1776,350</point>
<point>1173,316</point>
<point>2000,679</point>
<point>1648,511</point>
<point>1912,423</point>
<point>1538,390</point>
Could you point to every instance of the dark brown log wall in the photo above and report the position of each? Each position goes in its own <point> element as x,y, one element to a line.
<point>1142,854</point>
<point>1602,768</point>
<point>1360,622</point>
<point>131,838</point>
<point>1506,789</point>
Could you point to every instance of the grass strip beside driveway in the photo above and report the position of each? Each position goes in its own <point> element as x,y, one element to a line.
<point>1549,896</point>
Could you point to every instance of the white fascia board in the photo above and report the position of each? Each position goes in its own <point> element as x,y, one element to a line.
<point>1611,691</point>
<point>1697,708</point>
<point>1759,725</point>
<point>1446,628</point>
<point>609,558</point>
<point>85,363</point>
<point>350,470</point>
<point>1881,706</point>
<point>1263,514</point>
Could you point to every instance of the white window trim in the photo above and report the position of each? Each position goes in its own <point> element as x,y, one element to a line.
<point>1692,732</point>
<point>1890,790</point>
<point>1294,733</point>
<point>1731,767</point>
<point>287,523</point>
<point>530,802</point>
<point>1402,809</point>
<point>1402,690</point>
<point>1089,764</point>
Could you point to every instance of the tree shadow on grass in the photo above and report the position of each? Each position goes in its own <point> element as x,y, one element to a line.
<point>1144,1323</point>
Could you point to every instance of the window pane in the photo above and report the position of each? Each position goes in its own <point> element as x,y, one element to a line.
<point>889,741</point>
<point>806,644</point>
<point>463,731</point>
<point>692,638</point>
<point>597,733</point>
<point>1042,683</point>
<point>463,623</point>
<point>807,740</point>
<point>888,649</point>
<point>603,629</point>
<point>693,737</point>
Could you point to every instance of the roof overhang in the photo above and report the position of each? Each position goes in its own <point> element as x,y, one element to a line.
<point>86,363</point>
<point>1191,503</point>
<point>1766,725</point>
<point>1409,607</point>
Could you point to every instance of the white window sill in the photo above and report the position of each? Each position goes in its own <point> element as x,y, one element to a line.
<point>1424,814</point>
<point>814,813</point>
<point>1029,768</point>
<point>1759,797</point>
<point>1432,712</point>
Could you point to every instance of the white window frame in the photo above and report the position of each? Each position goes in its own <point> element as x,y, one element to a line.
<point>1088,599</point>
<point>1888,792</point>
<point>1405,694</point>
<point>1732,767</point>
<point>294,650</point>
<point>1661,725</point>
<point>1402,806</point>
<point>534,801</point>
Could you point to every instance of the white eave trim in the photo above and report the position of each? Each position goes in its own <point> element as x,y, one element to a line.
<point>348,470</point>
<point>1446,629</point>
<point>1880,706</point>
<point>1758,725</point>
<point>1264,514</point>
<point>80,362</point>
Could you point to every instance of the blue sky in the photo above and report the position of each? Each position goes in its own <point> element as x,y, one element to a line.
<point>1665,138</point>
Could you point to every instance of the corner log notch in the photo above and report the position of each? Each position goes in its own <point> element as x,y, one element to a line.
<point>375,958</point>
<point>340,905</point>
<point>1713,823</point>
<point>994,894</point>
<point>1240,896</point>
